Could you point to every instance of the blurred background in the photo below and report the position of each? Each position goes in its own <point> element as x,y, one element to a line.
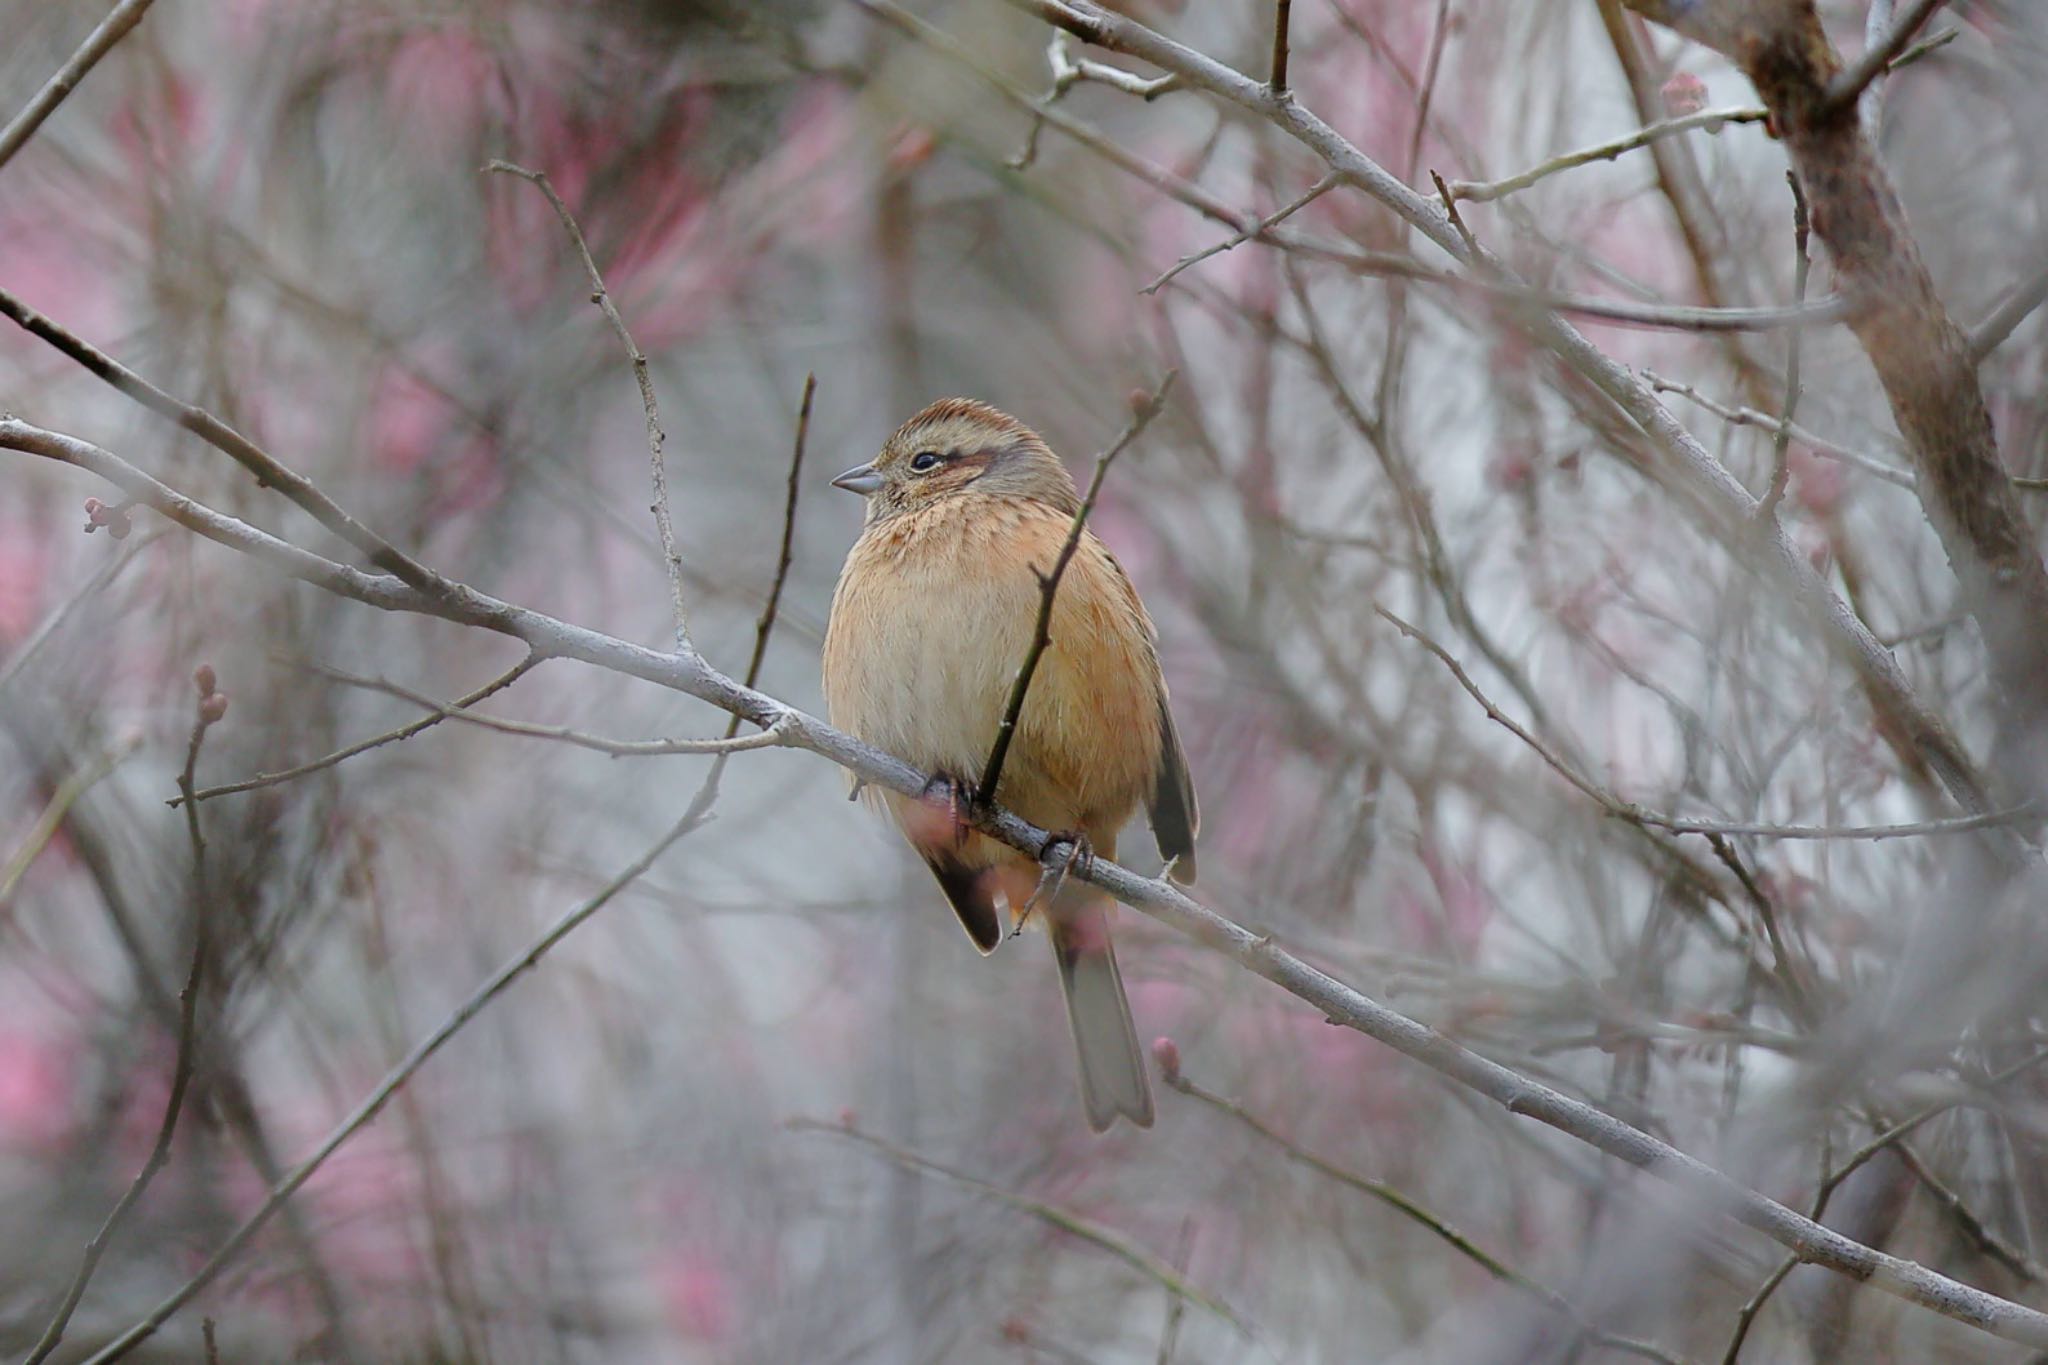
<point>275,211</point>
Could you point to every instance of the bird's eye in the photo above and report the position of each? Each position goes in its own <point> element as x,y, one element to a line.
<point>925,461</point>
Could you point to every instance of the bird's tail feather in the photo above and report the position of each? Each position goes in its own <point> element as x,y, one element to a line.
<point>1112,1065</point>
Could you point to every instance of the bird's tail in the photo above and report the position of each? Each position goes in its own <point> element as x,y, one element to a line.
<point>1112,1065</point>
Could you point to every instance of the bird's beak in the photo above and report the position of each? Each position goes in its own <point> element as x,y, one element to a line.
<point>862,479</point>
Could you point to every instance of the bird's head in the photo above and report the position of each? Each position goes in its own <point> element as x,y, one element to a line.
<point>958,445</point>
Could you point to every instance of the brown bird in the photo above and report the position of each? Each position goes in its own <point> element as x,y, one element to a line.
<point>934,612</point>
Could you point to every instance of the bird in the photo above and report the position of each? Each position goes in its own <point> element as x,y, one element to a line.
<point>967,510</point>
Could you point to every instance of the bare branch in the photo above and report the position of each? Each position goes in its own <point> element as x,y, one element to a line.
<point>1049,586</point>
<point>1712,120</point>
<point>764,625</point>
<point>656,437</point>
<point>1110,1240</point>
<point>2011,311</point>
<point>373,1104</point>
<point>1679,317</point>
<point>203,911</point>
<point>1781,440</point>
<point>1422,1217</point>
<point>1848,85</point>
<point>1282,21</point>
<point>1246,233</point>
<point>105,574</point>
<point>97,44</point>
<point>773,737</point>
<point>403,732</point>
<point>1612,805</point>
<point>51,819</point>
<point>1820,445</point>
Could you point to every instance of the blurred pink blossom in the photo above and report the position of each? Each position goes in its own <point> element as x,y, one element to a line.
<point>698,1294</point>
<point>35,1088</point>
<point>442,85</point>
<point>24,565</point>
<point>409,417</point>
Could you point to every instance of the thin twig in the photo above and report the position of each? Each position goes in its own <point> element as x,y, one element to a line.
<point>1781,442</point>
<point>51,819</point>
<point>373,1104</point>
<point>97,44</point>
<point>1612,805</point>
<point>2011,311</point>
<point>1847,86</point>
<point>1049,586</point>
<point>1421,1216</point>
<point>656,437</point>
<point>769,738</point>
<point>1432,66</point>
<point>1069,71</point>
<point>1282,21</point>
<point>764,625</point>
<point>403,732</point>
<point>1484,191</point>
<point>181,1069</point>
<point>1246,233</point>
<point>1933,42</point>
<point>1750,417</point>
<point>1110,1240</point>
<point>105,574</point>
<point>1176,1304</point>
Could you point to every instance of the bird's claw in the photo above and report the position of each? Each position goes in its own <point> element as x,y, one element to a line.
<point>956,797</point>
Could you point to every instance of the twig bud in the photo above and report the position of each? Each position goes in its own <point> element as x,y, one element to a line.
<point>1166,1055</point>
<point>1684,94</point>
<point>204,680</point>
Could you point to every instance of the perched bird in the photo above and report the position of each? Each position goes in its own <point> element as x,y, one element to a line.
<point>934,612</point>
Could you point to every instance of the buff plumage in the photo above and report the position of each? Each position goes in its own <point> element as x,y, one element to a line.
<point>932,616</point>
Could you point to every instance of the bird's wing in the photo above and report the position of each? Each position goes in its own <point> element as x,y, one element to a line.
<point>971,890</point>
<point>1175,816</point>
<point>1176,819</point>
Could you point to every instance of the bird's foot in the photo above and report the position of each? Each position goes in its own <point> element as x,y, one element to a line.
<point>955,797</point>
<point>1080,854</point>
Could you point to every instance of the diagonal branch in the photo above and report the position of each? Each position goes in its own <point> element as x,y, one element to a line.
<point>1087,1229</point>
<point>1416,1213</point>
<point>1048,588</point>
<point>1847,87</point>
<point>373,1104</point>
<point>187,1055</point>
<point>656,437</point>
<point>58,88</point>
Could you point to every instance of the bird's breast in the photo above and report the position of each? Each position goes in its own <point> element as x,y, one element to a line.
<point>934,614</point>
